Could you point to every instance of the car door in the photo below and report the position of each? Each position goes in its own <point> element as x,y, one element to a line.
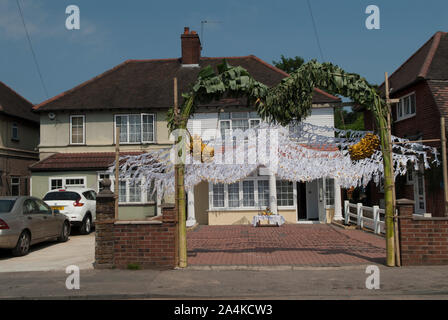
<point>50,225</point>
<point>33,220</point>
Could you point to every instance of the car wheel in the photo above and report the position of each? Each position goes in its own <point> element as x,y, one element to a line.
<point>65,232</point>
<point>86,227</point>
<point>23,245</point>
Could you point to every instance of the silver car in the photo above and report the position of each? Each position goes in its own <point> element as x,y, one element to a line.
<point>25,221</point>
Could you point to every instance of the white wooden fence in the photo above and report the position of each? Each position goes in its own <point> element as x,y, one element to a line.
<point>365,217</point>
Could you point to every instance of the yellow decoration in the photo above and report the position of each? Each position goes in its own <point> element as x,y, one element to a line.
<point>206,152</point>
<point>364,148</point>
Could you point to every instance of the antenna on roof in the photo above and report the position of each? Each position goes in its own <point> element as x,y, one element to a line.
<point>203,22</point>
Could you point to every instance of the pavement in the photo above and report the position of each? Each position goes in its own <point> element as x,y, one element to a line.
<point>288,245</point>
<point>79,250</point>
<point>333,283</point>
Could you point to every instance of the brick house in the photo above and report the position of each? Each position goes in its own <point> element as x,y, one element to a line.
<point>19,137</point>
<point>421,84</point>
<point>77,138</point>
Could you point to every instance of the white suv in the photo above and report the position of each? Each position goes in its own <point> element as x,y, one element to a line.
<point>78,204</point>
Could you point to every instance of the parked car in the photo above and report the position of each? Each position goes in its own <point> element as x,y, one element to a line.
<point>25,221</point>
<point>78,204</point>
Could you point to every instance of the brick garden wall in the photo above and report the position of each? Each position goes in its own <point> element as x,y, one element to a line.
<point>126,244</point>
<point>423,241</point>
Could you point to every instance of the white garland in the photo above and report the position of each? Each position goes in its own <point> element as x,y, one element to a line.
<point>305,152</point>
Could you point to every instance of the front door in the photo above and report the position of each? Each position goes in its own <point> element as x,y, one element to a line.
<point>312,200</point>
<point>301,201</point>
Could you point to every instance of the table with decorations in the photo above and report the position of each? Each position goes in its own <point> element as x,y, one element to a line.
<point>271,218</point>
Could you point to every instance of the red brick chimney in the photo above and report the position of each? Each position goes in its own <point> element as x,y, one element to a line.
<point>191,47</point>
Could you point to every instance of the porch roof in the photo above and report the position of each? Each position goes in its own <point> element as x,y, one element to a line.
<point>79,161</point>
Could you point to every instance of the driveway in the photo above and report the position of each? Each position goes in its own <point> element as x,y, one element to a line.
<point>288,245</point>
<point>79,250</point>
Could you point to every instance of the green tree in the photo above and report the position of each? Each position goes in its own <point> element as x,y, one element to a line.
<point>289,64</point>
<point>348,120</point>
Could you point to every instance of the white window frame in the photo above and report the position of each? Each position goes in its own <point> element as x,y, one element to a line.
<point>241,206</point>
<point>231,118</point>
<point>400,105</point>
<point>64,184</point>
<point>16,184</point>
<point>325,181</point>
<point>141,127</point>
<point>143,194</point>
<point>83,129</point>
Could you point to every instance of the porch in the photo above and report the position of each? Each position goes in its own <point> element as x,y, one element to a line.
<point>290,244</point>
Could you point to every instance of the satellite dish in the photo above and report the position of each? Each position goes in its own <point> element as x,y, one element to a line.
<point>51,116</point>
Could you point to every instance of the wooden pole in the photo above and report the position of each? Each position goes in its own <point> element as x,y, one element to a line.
<point>180,187</point>
<point>391,240</point>
<point>445,173</point>
<point>117,167</point>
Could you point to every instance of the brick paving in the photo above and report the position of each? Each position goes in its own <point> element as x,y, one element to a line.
<point>299,245</point>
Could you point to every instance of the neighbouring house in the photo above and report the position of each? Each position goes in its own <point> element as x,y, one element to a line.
<point>19,137</point>
<point>421,84</point>
<point>77,144</point>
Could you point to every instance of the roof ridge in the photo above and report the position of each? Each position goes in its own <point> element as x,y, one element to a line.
<point>411,57</point>
<point>107,72</point>
<point>432,51</point>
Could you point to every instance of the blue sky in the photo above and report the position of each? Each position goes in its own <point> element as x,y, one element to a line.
<point>113,31</point>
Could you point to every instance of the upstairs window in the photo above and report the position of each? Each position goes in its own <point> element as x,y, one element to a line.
<point>406,108</point>
<point>77,129</point>
<point>15,186</point>
<point>238,120</point>
<point>136,128</point>
<point>15,132</point>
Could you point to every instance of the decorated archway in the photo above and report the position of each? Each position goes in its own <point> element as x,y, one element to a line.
<point>287,103</point>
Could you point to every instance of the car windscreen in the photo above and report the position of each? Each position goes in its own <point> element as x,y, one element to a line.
<point>6,205</point>
<point>62,195</point>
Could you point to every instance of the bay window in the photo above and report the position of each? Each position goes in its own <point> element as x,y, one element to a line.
<point>250,193</point>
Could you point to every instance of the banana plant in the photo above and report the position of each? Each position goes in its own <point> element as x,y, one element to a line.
<point>289,101</point>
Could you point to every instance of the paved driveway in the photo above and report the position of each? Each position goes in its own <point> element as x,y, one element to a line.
<point>49,256</point>
<point>299,245</point>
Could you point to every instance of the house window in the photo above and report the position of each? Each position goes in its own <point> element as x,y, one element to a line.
<point>406,108</point>
<point>252,192</point>
<point>15,186</point>
<point>218,195</point>
<point>234,195</point>
<point>263,192</point>
<point>329,192</point>
<point>56,184</point>
<point>135,128</point>
<point>129,192</point>
<point>248,193</point>
<point>72,182</point>
<point>77,129</point>
<point>238,120</point>
<point>285,193</point>
<point>15,132</point>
